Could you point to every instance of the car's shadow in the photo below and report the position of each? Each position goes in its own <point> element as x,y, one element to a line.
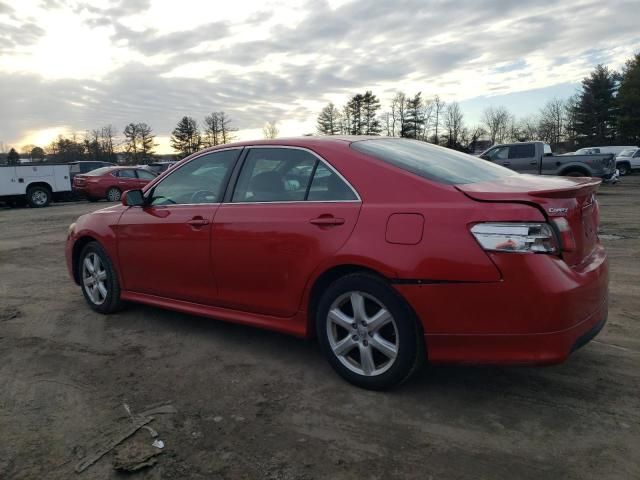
<point>577,378</point>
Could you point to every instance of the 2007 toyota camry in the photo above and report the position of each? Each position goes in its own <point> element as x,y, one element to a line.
<point>390,251</point>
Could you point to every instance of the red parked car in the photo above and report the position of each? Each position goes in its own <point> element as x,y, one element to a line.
<point>110,182</point>
<point>390,251</point>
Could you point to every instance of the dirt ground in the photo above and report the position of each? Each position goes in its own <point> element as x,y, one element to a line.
<point>254,404</point>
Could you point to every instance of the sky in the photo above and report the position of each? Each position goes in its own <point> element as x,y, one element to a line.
<point>70,66</point>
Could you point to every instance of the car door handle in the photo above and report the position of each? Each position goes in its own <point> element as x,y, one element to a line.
<point>198,222</point>
<point>327,220</point>
<point>506,163</point>
<point>533,162</point>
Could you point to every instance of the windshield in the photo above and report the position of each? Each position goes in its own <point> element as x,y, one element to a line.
<point>627,153</point>
<point>432,162</point>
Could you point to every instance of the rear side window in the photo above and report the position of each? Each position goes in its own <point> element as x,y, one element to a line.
<point>274,175</point>
<point>144,175</point>
<point>435,163</point>
<point>327,186</point>
<point>100,171</point>
<point>126,174</point>
<point>526,150</point>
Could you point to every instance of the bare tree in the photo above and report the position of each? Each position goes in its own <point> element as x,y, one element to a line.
<point>438,107</point>
<point>498,122</point>
<point>398,113</point>
<point>552,121</point>
<point>270,130</point>
<point>528,128</point>
<point>427,117</point>
<point>453,122</point>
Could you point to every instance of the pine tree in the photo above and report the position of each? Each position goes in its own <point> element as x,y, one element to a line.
<point>370,106</point>
<point>185,138</point>
<point>414,118</point>
<point>329,121</point>
<point>147,144</point>
<point>596,115</point>
<point>13,157</point>
<point>355,107</point>
<point>629,102</point>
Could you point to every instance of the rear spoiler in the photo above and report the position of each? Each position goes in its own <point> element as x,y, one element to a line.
<point>585,186</point>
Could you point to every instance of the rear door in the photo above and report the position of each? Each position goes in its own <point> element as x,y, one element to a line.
<point>289,211</point>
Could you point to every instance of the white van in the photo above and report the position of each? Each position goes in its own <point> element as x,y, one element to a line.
<point>34,184</point>
<point>615,149</point>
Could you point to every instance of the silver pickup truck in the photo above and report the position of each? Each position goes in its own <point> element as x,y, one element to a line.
<point>536,158</point>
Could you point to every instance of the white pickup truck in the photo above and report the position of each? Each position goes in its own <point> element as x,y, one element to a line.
<point>35,184</point>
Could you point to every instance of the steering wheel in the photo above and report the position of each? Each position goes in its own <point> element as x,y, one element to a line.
<point>203,196</point>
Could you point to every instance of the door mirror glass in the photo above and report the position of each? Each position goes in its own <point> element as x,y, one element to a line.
<point>132,198</point>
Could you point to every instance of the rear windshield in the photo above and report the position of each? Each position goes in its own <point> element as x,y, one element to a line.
<point>435,163</point>
<point>99,171</point>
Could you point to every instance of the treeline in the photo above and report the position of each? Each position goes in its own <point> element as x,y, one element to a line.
<point>135,145</point>
<point>605,111</point>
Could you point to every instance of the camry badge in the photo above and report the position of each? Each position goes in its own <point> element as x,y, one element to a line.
<point>558,210</point>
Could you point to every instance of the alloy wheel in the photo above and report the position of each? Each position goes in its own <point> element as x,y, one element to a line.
<point>362,333</point>
<point>94,278</point>
<point>114,195</point>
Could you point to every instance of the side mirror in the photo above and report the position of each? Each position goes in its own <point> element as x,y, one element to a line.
<point>132,198</point>
<point>485,157</point>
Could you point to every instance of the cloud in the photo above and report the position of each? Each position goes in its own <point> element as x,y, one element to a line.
<point>258,62</point>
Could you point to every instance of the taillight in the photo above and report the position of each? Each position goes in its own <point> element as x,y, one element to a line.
<point>516,237</point>
<point>567,241</point>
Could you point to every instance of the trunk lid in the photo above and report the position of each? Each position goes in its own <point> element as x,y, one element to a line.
<point>79,180</point>
<point>568,202</point>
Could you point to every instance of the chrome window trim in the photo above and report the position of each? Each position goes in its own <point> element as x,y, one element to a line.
<point>175,169</point>
<point>320,159</point>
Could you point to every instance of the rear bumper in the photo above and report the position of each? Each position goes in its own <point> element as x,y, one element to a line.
<point>539,313</point>
<point>534,349</point>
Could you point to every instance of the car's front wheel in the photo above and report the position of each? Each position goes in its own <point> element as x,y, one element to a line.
<point>98,278</point>
<point>624,168</point>
<point>368,333</point>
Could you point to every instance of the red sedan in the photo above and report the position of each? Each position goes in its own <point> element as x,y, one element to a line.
<point>390,251</point>
<point>110,182</point>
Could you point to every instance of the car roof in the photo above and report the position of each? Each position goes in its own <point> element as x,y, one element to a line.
<point>305,141</point>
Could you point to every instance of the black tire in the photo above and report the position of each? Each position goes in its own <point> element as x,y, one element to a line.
<point>114,194</point>
<point>624,169</point>
<point>112,302</point>
<point>408,336</point>
<point>38,196</point>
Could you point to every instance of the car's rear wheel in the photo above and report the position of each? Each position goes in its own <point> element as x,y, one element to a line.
<point>99,280</point>
<point>368,333</point>
<point>38,196</point>
<point>114,194</point>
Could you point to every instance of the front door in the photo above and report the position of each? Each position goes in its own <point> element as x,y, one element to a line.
<point>164,247</point>
<point>289,211</point>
